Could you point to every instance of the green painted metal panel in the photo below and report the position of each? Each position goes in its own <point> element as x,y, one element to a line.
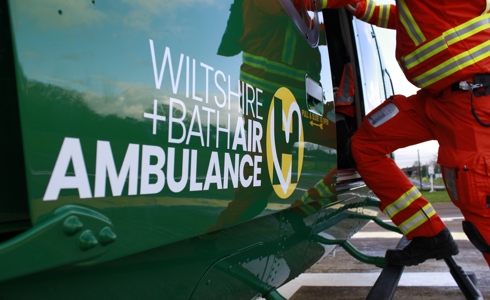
<point>152,163</point>
<point>127,109</point>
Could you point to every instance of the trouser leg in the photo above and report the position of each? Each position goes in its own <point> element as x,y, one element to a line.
<point>397,123</point>
<point>464,155</point>
<point>477,229</point>
<point>487,258</point>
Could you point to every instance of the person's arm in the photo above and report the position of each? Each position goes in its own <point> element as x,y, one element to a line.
<point>385,16</point>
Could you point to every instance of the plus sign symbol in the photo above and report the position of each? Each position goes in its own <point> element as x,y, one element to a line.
<point>154,116</point>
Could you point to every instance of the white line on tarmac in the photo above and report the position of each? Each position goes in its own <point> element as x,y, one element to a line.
<point>391,234</point>
<point>364,279</point>
<point>447,219</point>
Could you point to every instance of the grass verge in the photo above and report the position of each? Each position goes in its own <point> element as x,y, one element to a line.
<point>437,196</point>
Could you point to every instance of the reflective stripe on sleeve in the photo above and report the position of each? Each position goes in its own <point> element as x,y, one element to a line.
<point>384,14</point>
<point>370,6</point>
<point>403,202</point>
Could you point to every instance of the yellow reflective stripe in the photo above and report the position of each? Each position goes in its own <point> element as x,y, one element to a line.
<point>267,85</point>
<point>449,37</point>
<point>408,22</point>
<point>290,41</point>
<point>453,65</point>
<point>467,29</point>
<point>426,51</point>
<point>273,67</point>
<point>324,3</point>
<point>305,197</point>
<point>417,219</point>
<point>322,190</point>
<point>370,6</point>
<point>384,14</point>
<point>403,202</point>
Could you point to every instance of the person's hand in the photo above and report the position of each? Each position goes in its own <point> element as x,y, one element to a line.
<point>352,8</point>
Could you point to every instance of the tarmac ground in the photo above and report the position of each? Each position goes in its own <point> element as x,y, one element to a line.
<point>340,276</point>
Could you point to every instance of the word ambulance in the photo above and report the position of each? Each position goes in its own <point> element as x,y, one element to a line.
<point>139,168</point>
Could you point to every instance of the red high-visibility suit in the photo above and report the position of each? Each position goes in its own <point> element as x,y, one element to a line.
<point>439,43</point>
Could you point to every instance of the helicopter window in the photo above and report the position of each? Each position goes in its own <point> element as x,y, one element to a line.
<point>371,68</point>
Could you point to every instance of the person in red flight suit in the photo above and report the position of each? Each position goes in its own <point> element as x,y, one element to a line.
<point>446,53</point>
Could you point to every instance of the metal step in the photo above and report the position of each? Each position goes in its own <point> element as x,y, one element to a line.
<point>387,282</point>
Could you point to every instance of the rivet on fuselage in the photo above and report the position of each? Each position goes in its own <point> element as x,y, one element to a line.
<point>72,225</point>
<point>107,236</point>
<point>87,240</point>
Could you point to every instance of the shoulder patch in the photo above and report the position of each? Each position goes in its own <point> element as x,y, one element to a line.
<point>383,115</point>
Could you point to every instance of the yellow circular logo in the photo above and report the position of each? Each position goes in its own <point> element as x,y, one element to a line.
<point>285,147</point>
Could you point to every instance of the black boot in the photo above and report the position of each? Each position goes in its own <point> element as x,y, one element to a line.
<point>420,249</point>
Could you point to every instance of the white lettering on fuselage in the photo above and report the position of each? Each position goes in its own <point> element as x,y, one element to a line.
<point>198,128</point>
<point>249,104</point>
<point>150,167</point>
